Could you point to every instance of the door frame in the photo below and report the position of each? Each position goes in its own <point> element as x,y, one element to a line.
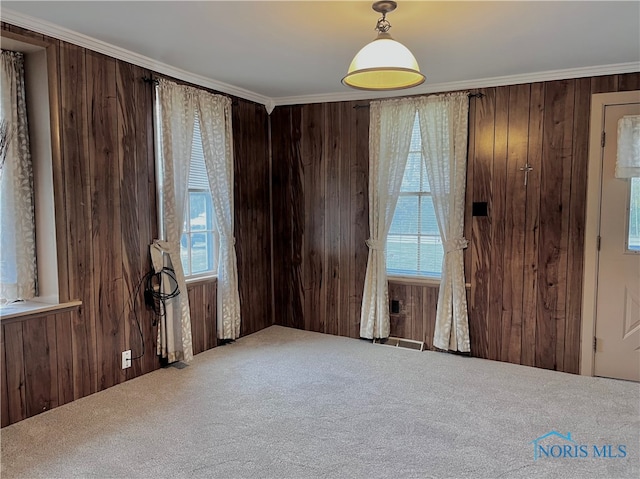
<point>592,221</point>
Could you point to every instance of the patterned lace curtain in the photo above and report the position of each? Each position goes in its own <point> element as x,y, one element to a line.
<point>628,160</point>
<point>391,123</point>
<point>177,105</point>
<point>217,141</point>
<point>18,246</point>
<point>444,130</point>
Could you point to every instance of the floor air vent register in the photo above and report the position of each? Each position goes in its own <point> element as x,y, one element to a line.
<point>401,343</point>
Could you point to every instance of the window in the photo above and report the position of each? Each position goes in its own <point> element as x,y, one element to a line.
<point>36,75</point>
<point>633,230</point>
<point>414,246</point>
<point>199,241</point>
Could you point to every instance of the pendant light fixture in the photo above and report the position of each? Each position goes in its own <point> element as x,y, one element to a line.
<point>384,64</point>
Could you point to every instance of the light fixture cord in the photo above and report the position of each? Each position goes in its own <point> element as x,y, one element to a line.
<point>383,24</point>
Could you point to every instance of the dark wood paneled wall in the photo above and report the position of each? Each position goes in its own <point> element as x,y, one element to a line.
<point>202,307</point>
<point>525,261</point>
<point>35,369</point>
<point>106,183</point>
<point>39,366</point>
<point>417,316</point>
<point>525,258</point>
<point>252,176</point>
<point>320,171</point>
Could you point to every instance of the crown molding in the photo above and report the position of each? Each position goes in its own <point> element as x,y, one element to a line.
<point>564,74</point>
<point>55,31</point>
<point>85,41</point>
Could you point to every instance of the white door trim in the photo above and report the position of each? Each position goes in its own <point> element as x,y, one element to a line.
<point>592,221</point>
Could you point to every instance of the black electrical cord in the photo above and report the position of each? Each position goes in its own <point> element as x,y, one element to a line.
<point>135,315</point>
<point>132,301</point>
<point>154,298</point>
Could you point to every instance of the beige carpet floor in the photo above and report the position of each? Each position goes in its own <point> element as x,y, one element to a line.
<point>284,403</point>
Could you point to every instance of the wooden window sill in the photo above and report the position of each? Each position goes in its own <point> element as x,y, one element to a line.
<point>414,280</point>
<point>418,281</point>
<point>201,280</point>
<point>31,309</point>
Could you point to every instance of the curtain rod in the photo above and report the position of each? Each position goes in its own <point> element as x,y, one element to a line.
<point>150,80</point>
<point>234,102</point>
<point>155,82</point>
<point>471,95</point>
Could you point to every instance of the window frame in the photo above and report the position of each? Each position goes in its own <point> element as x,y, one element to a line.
<point>188,232</point>
<point>157,123</point>
<point>402,276</point>
<point>52,264</point>
<point>627,237</point>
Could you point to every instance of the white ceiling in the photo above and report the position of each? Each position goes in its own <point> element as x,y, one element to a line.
<point>282,50</point>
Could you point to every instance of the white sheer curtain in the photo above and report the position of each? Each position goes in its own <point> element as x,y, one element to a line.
<point>390,129</point>
<point>18,243</point>
<point>217,140</point>
<point>628,159</point>
<point>177,115</point>
<point>443,129</point>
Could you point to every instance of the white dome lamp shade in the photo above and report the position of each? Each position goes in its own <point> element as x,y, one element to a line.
<point>383,64</point>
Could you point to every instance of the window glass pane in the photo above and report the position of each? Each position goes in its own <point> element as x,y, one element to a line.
<point>428,221</point>
<point>431,253</point>
<point>402,254</point>
<point>634,216</point>
<point>414,246</point>
<point>199,253</point>
<point>405,218</point>
<point>203,248</point>
<point>198,205</point>
<point>199,248</point>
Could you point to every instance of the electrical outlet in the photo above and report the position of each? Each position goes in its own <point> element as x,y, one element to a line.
<point>126,359</point>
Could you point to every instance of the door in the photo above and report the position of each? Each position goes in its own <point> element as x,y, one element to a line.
<point>617,352</point>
